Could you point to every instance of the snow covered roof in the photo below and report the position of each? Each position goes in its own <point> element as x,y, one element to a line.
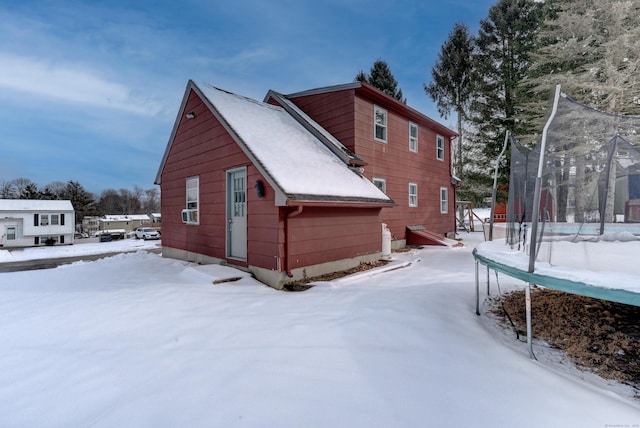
<point>314,127</point>
<point>125,217</point>
<point>39,205</point>
<point>292,158</point>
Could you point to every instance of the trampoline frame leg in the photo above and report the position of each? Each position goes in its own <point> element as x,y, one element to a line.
<point>527,301</point>
<point>477,291</point>
<point>488,282</point>
<point>478,286</point>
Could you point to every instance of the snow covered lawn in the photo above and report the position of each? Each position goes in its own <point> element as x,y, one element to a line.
<point>136,340</point>
<point>80,248</point>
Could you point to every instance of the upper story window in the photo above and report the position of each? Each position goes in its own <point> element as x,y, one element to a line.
<point>413,137</point>
<point>439,147</point>
<point>413,195</point>
<point>48,219</point>
<point>380,183</point>
<point>380,123</point>
<point>444,200</point>
<point>190,215</point>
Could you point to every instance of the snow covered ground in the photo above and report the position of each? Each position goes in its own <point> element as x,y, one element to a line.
<point>80,248</point>
<point>137,340</point>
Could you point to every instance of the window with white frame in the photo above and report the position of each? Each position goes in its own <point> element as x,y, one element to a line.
<point>48,219</point>
<point>439,147</point>
<point>413,195</point>
<point>413,137</point>
<point>380,183</point>
<point>444,200</point>
<point>190,215</point>
<point>380,123</point>
<point>11,233</point>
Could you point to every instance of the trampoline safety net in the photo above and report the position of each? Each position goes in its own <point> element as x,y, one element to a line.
<point>589,190</point>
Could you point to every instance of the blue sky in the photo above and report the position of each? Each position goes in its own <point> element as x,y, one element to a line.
<point>89,91</point>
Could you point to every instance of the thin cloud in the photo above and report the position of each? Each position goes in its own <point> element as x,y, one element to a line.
<point>68,83</point>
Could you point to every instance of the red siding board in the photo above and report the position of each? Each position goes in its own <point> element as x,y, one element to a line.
<point>333,111</point>
<point>321,235</point>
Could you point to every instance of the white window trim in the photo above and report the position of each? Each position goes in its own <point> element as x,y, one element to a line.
<point>385,126</point>
<point>380,180</point>
<point>439,147</point>
<point>193,214</point>
<point>414,194</point>
<point>412,139</point>
<point>444,201</point>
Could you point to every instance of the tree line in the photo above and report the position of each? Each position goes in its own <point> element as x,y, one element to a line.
<point>503,77</point>
<point>109,201</point>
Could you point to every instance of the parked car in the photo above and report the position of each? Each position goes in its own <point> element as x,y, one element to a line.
<point>147,233</point>
<point>106,238</point>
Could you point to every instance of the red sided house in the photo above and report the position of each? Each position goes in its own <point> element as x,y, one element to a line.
<point>300,185</point>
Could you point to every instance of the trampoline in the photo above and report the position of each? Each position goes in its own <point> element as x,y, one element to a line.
<point>573,209</point>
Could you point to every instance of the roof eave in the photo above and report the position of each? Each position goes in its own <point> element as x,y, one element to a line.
<point>376,94</point>
<point>325,89</point>
<point>370,91</point>
<point>176,123</point>
<point>337,201</point>
<point>192,86</point>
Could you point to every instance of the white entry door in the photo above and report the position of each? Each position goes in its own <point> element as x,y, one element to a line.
<point>8,236</point>
<point>237,213</point>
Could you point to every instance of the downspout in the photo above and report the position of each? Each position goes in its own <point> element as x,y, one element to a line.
<point>285,257</point>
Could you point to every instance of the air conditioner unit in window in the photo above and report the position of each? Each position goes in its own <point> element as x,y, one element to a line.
<point>189,216</point>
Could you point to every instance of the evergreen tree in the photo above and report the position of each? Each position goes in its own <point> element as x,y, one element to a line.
<point>30,191</point>
<point>20,185</point>
<point>592,49</point>
<point>54,190</point>
<point>451,84</point>
<point>381,77</point>
<point>504,45</point>
<point>83,202</point>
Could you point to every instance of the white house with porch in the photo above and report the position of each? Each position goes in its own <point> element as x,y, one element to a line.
<point>31,222</point>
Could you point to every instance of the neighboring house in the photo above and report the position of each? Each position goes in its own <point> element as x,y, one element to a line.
<point>124,222</point>
<point>156,219</point>
<point>29,222</point>
<point>263,186</point>
<point>90,224</point>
